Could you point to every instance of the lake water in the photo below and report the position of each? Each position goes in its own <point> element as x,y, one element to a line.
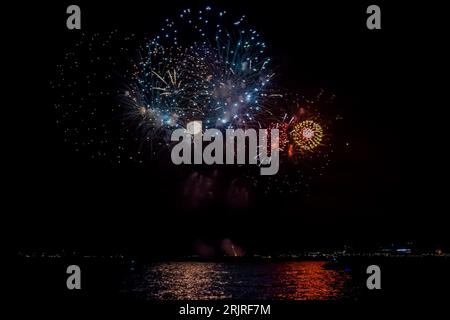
<point>303,280</point>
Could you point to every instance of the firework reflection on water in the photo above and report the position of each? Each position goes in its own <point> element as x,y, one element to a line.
<point>305,280</point>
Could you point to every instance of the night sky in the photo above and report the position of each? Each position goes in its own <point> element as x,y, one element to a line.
<point>381,186</point>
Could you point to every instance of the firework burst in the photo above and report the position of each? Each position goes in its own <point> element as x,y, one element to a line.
<point>304,143</point>
<point>307,135</point>
<point>203,67</point>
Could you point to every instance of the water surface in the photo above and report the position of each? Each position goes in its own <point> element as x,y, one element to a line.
<point>305,280</point>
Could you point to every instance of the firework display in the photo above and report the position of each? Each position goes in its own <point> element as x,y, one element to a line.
<point>203,66</point>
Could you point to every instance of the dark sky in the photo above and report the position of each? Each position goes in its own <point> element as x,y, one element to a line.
<point>384,187</point>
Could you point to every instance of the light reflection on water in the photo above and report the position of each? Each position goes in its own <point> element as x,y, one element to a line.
<point>305,280</point>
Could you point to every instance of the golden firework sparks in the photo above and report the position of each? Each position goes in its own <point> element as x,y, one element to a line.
<point>307,135</point>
